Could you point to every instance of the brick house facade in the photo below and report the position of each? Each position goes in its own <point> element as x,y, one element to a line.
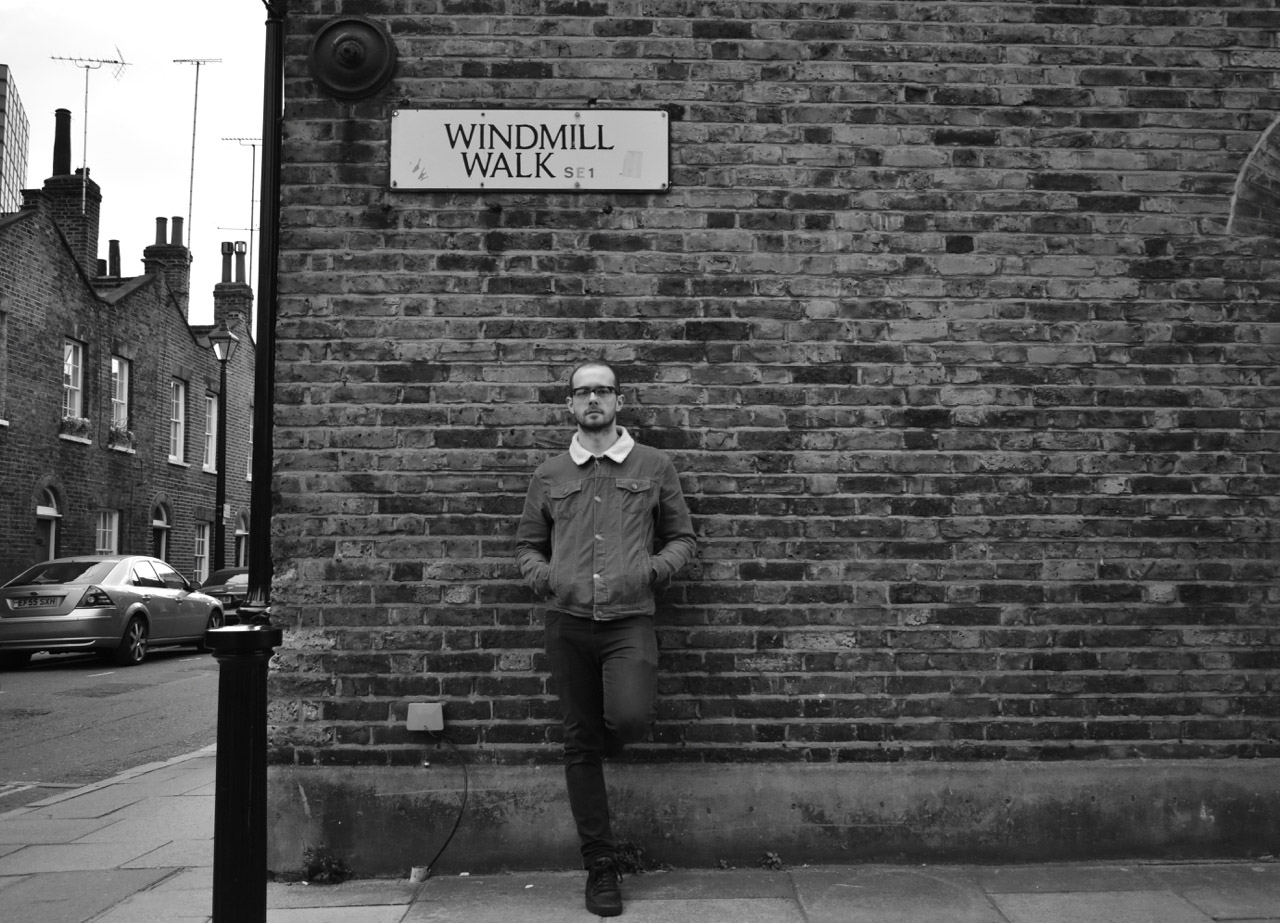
<point>60,472</point>
<point>960,321</point>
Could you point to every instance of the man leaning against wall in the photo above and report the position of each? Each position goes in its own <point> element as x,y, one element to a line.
<point>605,525</point>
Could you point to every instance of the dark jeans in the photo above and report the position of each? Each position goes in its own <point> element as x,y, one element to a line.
<point>607,677</point>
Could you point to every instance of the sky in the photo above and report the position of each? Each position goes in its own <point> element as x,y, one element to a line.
<point>140,126</point>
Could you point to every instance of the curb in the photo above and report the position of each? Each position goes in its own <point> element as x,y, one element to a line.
<point>113,780</point>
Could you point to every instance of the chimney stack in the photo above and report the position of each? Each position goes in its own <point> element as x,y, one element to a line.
<point>170,260</point>
<point>62,142</point>
<point>74,200</point>
<point>233,301</point>
<point>113,258</point>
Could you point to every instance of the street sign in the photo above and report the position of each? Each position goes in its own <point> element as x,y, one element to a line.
<point>579,150</point>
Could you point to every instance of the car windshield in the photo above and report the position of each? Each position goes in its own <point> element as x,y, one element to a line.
<point>79,572</point>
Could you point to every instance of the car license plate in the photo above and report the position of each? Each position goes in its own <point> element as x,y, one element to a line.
<point>34,602</point>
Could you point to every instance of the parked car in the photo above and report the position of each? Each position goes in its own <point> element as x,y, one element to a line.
<point>115,605</point>
<point>229,586</point>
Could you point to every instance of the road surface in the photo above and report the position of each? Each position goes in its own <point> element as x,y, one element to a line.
<point>70,720</point>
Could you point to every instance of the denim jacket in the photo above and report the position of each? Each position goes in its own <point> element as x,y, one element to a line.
<point>598,535</point>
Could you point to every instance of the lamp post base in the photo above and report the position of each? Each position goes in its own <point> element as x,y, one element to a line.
<point>243,653</point>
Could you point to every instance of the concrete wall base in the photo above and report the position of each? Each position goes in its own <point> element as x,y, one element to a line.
<point>384,821</point>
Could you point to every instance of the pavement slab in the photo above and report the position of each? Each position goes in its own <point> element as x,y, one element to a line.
<point>1226,892</point>
<point>35,829</point>
<point>72,897</point>
<point>348,894</point>
<point>159,817</point>
<point>557,897</point>
<point>98,802</point>
<point>706,884</point>
<point>378,914</point>
<point>538,897</point>
<point>176,854</point>
<point>1065,877</point>
<point>1099,907</point>
<point>71,857</point>
<point>161,907</point>
<point>893,894</point>
<point>197,879</point>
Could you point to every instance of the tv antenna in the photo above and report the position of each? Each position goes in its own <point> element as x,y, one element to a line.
<point>195,109</point>
<point>118,64</point>
<point>253,169</point>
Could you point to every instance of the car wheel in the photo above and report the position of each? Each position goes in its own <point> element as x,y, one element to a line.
<point>133,646</point>
<point>215,621</point>
<point>14,660</point>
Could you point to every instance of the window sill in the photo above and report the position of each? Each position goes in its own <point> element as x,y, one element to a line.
<point>125,449</point>
<point>178,463</point>
<point>208,470</point>
<point>83,440</point>
<point>4,422</point>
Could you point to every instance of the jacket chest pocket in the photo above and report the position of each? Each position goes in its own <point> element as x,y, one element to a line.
<point>565,498</point>
<point>636,495</point>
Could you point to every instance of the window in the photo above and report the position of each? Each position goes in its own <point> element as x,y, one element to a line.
<point>119,393</point>
<point>160,533</point>
<point>145,575</point>
<point>242,541</point>
<point>248,466</point>
<point>72,379</point>
<point>177,421</point>
<point>171,578</point>
<point>211,432</point>
<point>108,532</point>
<point>201,568</point>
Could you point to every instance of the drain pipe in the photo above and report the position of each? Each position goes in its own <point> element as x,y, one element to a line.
<point>244,651</point>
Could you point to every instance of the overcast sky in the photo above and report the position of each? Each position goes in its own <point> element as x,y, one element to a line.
<point>140,125</point>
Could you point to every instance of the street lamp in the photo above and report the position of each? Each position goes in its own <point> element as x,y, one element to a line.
<point>224,344</point>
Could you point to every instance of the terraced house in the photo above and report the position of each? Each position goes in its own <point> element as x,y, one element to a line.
<point>108,395</point>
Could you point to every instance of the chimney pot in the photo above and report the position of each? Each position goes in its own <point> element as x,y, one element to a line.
<point>226,261</point>
<point>177,231</point>
<point>162,231</point>
<point>113,258</point>
<point>240,248</point>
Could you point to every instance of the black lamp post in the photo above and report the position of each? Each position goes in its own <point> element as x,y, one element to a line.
<point>244,651</point>
<point>224,344</point>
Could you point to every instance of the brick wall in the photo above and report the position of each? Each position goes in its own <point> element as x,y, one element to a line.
<point>972,391</point>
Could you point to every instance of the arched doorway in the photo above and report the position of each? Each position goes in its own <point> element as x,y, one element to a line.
<point>48,516</point>
<point>160,525</point>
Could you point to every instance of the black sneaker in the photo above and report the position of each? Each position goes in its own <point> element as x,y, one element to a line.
<point>604,898</point>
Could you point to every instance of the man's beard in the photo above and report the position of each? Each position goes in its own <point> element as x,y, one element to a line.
<point>597,424</point>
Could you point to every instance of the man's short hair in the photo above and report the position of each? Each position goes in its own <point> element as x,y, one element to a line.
<point>594,364</point>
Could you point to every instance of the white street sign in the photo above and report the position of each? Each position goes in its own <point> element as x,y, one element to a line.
<point>583,150</point>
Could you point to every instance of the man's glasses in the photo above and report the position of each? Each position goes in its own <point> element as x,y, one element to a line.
<point>598,390</point>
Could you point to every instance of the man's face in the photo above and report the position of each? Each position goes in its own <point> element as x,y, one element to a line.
<point>593,399</point>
